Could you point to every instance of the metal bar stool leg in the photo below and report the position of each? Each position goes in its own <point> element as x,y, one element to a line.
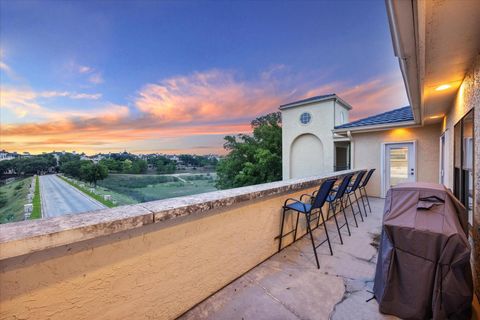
<point>346,220</point>
<point>326,232</point>
<point>311,238</point>
<point>336,221</point>
<point>318,217</point>
<point>363,202</point>
<point>358,205</point>
<point>353,211</point>
<point>281,231</point>
<point>296,227</point>
<point>368,201</point>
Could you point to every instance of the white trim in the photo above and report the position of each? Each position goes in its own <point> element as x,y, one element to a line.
<point>303,103</point>
<point>441,160</point>
<point>377,127</point>
<point>383,166</point>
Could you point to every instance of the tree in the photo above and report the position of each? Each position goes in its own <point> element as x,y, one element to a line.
<point>67,157</point>
<point>189,160</point>
<point>253,159</point>
<point>165,165</point>
<point>127,166</point>
<point>92,173</point>
<point>139,166</point>
<point>112,164</point>
<point>72,167</point>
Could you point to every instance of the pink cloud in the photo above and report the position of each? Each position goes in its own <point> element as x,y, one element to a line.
<point>208,96</point>
<point>369,97</point>
<point>214,102</point>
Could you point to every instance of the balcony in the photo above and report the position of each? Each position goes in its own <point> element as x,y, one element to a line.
<point>211,255</point>
<point>289,286</point>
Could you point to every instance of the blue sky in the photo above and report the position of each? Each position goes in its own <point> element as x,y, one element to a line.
<point>177,76</point>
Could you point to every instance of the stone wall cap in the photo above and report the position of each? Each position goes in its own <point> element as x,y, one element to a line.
<point>24,237</point>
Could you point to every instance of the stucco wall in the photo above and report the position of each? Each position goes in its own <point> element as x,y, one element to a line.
<point>468,97</point>
<point>339,110</point>
<point>367,152</point>
<point>321,126</point>
<point>157,271</point>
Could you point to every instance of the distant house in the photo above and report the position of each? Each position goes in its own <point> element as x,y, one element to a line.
<point>173,157</point>
<point>5,155</point>
<point>97,158</point>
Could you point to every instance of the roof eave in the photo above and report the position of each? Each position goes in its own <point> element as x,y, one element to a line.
<point>333,97</point>
<point>404,29</point>
<point>376,127</point>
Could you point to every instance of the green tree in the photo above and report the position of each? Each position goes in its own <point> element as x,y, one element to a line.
<point>139,166</point>
<point>165,165</point>
<point>112,164</point>
<point>72,167</point>
<point>127,166</point>
<point>253,159</point>
<point>189,160</point>
<point>92,173</point>
<point>67,157</point>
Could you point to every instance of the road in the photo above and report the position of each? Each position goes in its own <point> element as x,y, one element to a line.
<point>59,198</point>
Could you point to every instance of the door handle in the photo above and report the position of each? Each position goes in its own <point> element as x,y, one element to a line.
<point>412,171</point>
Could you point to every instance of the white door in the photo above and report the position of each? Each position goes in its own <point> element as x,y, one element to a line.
<point>399,164</point>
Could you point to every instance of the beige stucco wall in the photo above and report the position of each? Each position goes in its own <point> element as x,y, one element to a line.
<point>367,152</point>
<point>339,110</point>
<point>467,98</point>
<point>325,115</point>
<point>464,102</point>
<point>157,271</point>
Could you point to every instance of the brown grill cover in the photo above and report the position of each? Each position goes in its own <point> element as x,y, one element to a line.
<point>423,268</point>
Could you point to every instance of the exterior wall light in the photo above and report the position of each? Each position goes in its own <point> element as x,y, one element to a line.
<point>443,87</point>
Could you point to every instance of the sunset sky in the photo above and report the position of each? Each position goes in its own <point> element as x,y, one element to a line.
<point>175,77</point>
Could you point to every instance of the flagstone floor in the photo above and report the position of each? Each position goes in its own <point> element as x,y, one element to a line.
<point>289,286</point>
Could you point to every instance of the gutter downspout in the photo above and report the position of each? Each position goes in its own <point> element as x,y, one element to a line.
<point>352,149</point>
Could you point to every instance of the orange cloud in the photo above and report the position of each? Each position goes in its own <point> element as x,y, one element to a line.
<point>209,96</point>
<point>369,97</point>
<point>211,103</point>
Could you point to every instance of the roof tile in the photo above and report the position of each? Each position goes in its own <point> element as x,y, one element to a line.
<point>394,116</point>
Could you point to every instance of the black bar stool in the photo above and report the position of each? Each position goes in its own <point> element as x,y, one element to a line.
<point>306,208</point>
<point>352,190</point>
<point>362,188</point>
<point>335,198</point>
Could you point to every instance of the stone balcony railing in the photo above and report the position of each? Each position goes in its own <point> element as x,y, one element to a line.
<point>151,260</point>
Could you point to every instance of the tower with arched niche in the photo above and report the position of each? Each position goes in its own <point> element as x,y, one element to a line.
<point>307,139</point>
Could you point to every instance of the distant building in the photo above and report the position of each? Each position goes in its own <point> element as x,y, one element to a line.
<point>307,142</point>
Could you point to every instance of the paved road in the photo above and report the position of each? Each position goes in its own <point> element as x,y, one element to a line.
<point>59,198</point>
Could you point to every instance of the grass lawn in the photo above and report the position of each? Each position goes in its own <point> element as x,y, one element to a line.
<point>86,190</point>
<point>12,198</point>
<point>143,188</point>
<point>120,199</point>
<point>37,207</point>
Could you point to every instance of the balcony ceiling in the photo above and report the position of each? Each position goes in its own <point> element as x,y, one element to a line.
<point>436,42</point>
<point>451,42</point>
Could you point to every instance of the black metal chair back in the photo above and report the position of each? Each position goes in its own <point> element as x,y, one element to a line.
<point>358,179</point>
<point>343,186</point>
<point>323,193</point>
<point>367,178</point>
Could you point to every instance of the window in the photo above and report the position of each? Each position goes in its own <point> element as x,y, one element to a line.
<point>463,162</point>
<point>342,156</point>
<point>342,118</point>
<point>305,118</point>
